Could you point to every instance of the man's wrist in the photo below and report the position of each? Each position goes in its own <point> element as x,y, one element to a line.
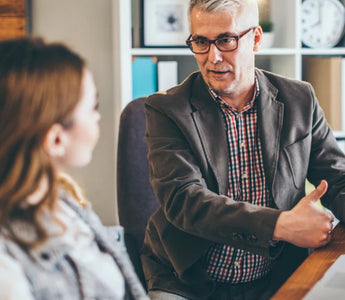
<point>278,233</point>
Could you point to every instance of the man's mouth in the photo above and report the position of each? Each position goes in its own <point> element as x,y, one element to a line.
<point>218,72</point>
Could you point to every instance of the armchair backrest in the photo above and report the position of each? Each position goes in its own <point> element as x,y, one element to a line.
<point>136,200</point>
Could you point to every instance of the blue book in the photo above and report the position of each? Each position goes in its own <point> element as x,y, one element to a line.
<point>144,76</point>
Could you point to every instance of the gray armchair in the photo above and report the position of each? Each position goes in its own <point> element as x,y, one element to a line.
<point>136,200</point>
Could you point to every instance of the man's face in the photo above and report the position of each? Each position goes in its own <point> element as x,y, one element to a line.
<point>227,73</point>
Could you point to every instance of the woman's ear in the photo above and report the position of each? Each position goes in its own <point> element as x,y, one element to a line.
<point>55,141</point>
<point>257,38</point>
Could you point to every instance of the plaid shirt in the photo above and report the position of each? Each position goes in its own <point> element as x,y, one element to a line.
<point>246,183</point>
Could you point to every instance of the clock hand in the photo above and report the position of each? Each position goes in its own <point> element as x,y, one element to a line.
<point>319,13</point>
<point>320,4</point>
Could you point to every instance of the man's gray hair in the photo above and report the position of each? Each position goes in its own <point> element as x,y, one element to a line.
<point>214,5</point>
<point>222,5</point>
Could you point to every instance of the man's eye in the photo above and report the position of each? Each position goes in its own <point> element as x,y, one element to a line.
<point>201,42</point>
<point>226,40</point>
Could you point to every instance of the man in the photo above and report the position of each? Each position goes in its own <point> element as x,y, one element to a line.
<point>229,152</point>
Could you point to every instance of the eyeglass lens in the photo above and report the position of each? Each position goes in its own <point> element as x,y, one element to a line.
<point>202,45</point>
<point>223,44</point>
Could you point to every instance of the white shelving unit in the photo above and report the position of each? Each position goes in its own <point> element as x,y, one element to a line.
<point>285,57</point>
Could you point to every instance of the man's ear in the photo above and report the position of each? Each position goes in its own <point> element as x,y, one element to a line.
<point>54,141</point>
<point>257,38</point>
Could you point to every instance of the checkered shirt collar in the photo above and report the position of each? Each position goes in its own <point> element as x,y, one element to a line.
<point>248,106</point>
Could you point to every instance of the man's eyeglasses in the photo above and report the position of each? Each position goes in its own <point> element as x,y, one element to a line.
<point>202,45</point>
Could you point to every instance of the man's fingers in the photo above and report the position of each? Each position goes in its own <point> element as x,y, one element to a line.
<point>328,238</point>
<point>318,192</point>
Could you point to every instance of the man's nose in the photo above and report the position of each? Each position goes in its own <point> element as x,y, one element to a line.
<point>215,55</point>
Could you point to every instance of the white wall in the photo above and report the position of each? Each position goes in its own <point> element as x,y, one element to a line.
<point>86,26</point>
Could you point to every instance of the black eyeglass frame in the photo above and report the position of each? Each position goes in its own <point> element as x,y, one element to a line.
<point>235,37</point>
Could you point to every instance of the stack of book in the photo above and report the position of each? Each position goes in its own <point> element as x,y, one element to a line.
<point>150,75</point>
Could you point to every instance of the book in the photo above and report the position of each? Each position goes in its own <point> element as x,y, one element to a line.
<point>167,75</point>
<point>325,75</point>
<point>144,78</point>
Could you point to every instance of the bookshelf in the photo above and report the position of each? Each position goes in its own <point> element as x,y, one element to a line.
<point>285,57</point>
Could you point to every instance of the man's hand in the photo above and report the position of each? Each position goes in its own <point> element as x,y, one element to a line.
<point>306,225</point>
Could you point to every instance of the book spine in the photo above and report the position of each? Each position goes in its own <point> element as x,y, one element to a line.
<point>167,74</point>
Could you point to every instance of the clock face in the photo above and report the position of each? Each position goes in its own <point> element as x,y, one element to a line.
<point>323,23</point>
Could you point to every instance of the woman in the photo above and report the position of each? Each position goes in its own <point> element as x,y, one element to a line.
<point>52,245</point>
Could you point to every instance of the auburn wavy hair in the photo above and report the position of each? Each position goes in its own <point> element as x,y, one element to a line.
<point>40,85</point>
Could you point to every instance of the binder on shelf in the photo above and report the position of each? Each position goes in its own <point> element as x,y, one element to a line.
<point>167,75</point>
<point>144,76</point>
<point>325,74</point>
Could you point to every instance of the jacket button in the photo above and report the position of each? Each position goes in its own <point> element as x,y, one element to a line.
<point>45,256</point>
<point>252,237</point>
<point>237,236</point>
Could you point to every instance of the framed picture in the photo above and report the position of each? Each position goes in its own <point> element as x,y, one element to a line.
<point>15,18</point>
<point>165,23</point>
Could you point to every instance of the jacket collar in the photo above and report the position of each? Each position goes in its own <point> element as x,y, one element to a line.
<point>61,234</point>
<point>209,121</point>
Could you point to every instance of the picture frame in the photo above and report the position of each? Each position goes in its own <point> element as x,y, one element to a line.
<point>165,23</point>
<point>15,19</point>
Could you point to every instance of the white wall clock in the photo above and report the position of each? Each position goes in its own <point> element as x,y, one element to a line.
<point>323,23</point>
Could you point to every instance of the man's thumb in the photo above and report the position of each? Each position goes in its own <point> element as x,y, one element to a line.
<point>319,191</point>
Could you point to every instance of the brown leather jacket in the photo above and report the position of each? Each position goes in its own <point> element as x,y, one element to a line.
<point>188,159</point>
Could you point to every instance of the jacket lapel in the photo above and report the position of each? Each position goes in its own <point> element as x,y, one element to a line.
<point>209,122</point>
<point>270,122</point>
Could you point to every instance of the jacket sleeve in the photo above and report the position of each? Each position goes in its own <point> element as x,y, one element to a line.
<point>327,161</point>
<point>13,283</point>
<point>186,199</point>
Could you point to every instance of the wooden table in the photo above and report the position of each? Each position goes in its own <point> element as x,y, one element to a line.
<point>313,268</point>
